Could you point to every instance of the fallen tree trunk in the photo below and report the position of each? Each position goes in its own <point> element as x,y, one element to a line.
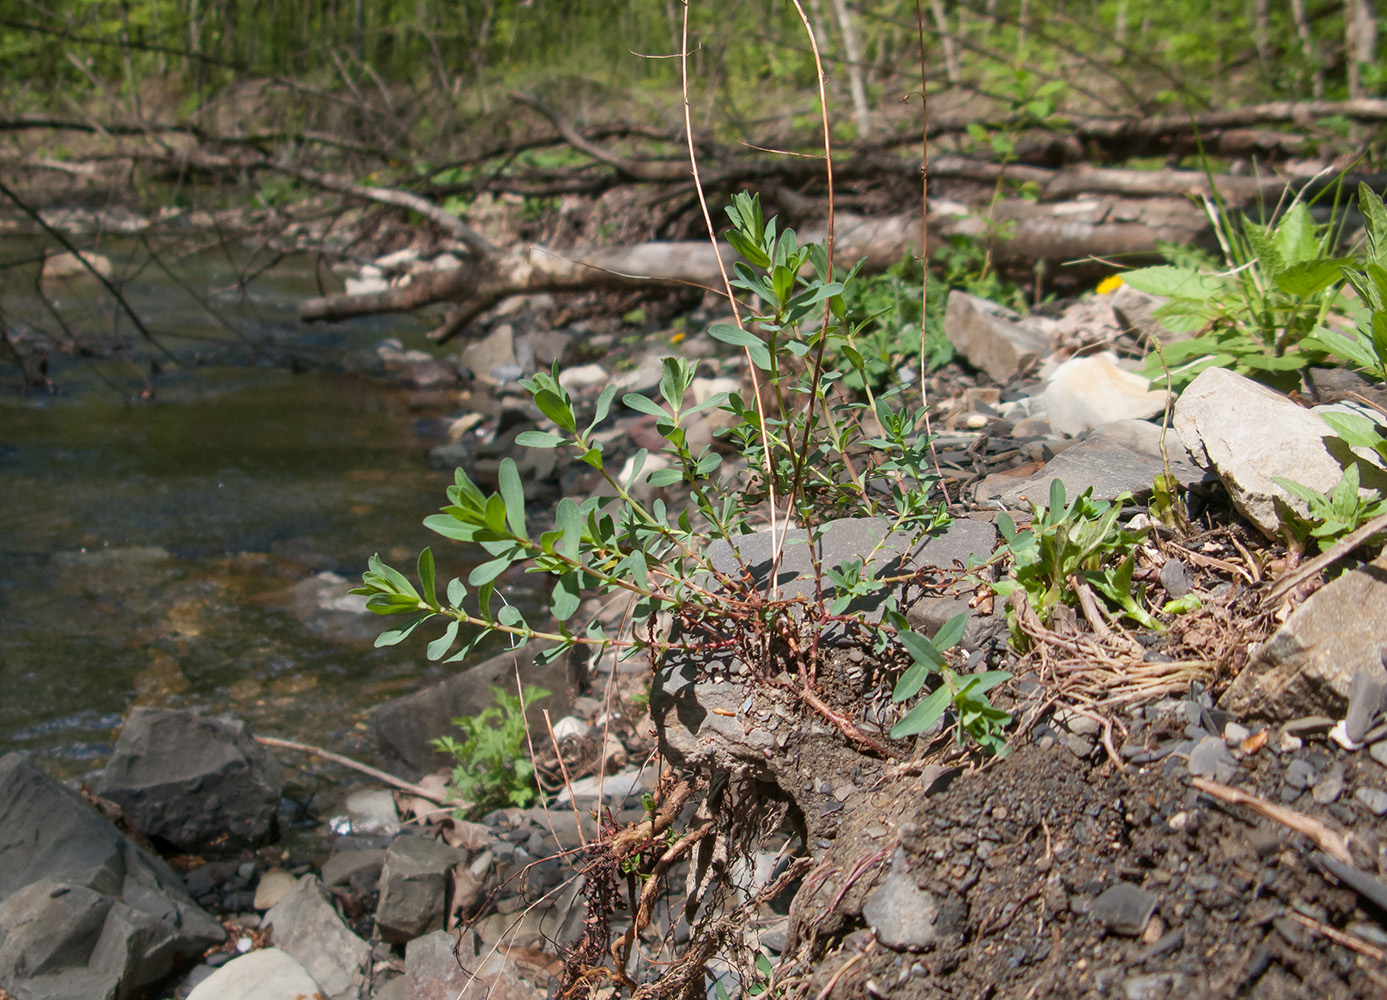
<point>1053,234</point>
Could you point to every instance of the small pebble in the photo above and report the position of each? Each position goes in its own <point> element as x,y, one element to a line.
<point>1124,909</point>
<point>1301,774</point>
<point>1374,798</point>
<point>1234,734</point>
<point>1330,786</point>
<point>1378,752</point>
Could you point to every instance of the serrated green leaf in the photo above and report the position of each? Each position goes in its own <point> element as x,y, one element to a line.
<point>1175,282</point>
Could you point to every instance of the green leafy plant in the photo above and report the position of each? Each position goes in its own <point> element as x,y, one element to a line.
<point>966,693</point>
<point>1068,542</point>
<point>885,310</point>
<point>1365,347</point>
<point>1342,510</point>
<point>811,448</point>
<point>1254,309</point>
<point>491,769</point>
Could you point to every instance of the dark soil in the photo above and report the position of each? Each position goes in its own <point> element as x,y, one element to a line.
<point>1016,854</point>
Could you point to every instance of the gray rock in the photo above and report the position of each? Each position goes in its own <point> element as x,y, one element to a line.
<point>1300,774</point>
<point>194,782</point>
<point>1210,759</point>
<point>847,539</point>
<point>1152,986</point>
<point>413,887</point>
<point>1174,578</point>
<point>372,811</point>
<point>1223,419</point>
<point>492,359</point>
<point>1234,734</point>
<point>1136,311</point>
<point>1308,665</point>
<point>433,973</point>
<point>1365,700</point>
<point>1084,393</point>
<point>326,606</point>
<point>1374,798</point>
<point>267,974</point>
<point>1378,752</point>
<point>404,727</point>
<point>902,914</point>
<point>1330,786</point>
<point>358,869</point>
<point>1124,909</point>
<point>993,338</point>
<point>1110,469</point>
<point>305,925</point>
<point>84,912</point>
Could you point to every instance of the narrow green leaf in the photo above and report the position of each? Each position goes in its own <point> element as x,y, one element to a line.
<point>440,646</point>
<point>922,716</point>
<point>426,577</point>
<point>951,631</point>
<point>513,493</point>
<point>921,649</point>
<point>488,571</point>
<point>539,439</point>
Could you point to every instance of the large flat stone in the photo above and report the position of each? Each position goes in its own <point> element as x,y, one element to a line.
<point>1308,665</point>
<point>1110,469</point>
<point>1247,434</point>
<point>433,972</point>
<point>267,974</point>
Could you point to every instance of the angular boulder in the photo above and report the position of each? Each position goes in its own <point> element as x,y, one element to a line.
<point>84,911</point>
<point>306,927</point>
<point>194,782</point>
<point>992,337</point>
<point>1308,665</point>
<point>414,887</point>
<point>1247,433</point>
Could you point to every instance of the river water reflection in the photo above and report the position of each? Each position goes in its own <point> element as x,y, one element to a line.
<point>171,552</point>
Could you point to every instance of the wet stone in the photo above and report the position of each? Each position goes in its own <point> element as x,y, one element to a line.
<point>1124,909</point>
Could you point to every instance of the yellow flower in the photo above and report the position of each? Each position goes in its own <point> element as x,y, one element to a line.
<point>1109,284</point>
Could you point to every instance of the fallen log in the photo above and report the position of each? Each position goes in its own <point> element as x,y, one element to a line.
<point>1020,234</point>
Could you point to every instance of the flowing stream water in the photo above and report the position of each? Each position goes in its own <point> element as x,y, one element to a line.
<point>169,551</point>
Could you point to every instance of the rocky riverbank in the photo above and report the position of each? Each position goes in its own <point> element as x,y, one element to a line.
<point>1194,810</point>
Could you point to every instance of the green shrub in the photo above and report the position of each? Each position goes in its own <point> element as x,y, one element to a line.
<point>491,769</point>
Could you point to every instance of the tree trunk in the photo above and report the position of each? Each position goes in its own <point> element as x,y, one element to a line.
<point>852,51</point>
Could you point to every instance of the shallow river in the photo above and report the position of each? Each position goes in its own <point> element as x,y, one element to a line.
<point>150,551</point>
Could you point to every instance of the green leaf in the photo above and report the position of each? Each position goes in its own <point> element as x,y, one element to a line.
<point>399,633</point>
<point>567,596</point>
<point>539,439</point>
<point>456,592</point>
<point>665,477</point>
<point>393,578</point>
<point>488,571</point>
<point>568,519</point>
<point>643,404</point>
<point>426,577</point>
<point>923,715</point>
<point>951,631</point>
<point>1175,282</point>
<point>557,408</point>
<point>1312,276</point>
<point>440,646</point>
<point>513,493</point>
<point>921,649</point>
